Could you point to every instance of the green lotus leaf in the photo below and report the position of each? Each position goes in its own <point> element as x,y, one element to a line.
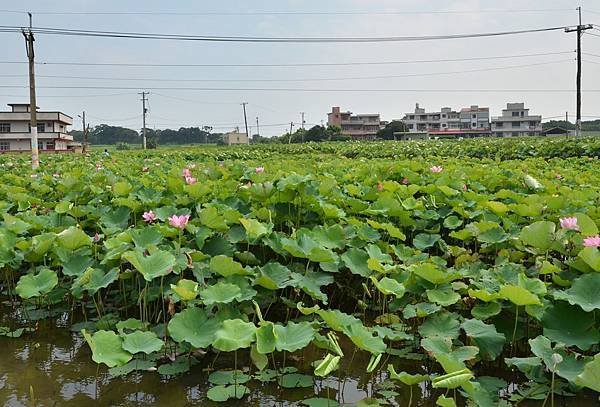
<point>93,280</point>
<point>441,324</point>
<point>293,336</point>
<point>406,378</point>
<point>234,334</point>
<point>181,365</point>
<point>192,325</point>
<point>139,341</point>
<point>356,261</point>
<point>73,238</point>
<point>432,273</point>
<point>158,264</point>
<point>368,402</point>
<point>443,296</point>
<point>389,286</point>
<point>260,360</point>
<point>224,393</point>
<point>76,265</point>
<point>570,325</point>
<point>228,377</point>
<point>337,320</point>
<point>565,364</point>
<point>131,324</point>
<point>539,235</point>
<point>485,311</point>
<point>452,222</point>
<point>320,402</point>
<point>587,226</point>
<point>327,365</point>
<point>518,295</point>
<point>483,295</point>
<point>35,285</point>
<point>311,283</point>
<point>107,348</point>
<point>424,241</point>
<point>591,256</point>
<point>273,276</point>
<point>487,339</point>
<point>265,338</point>
<point>590,377</point>
<point>226,266</point>
<point>254,229</point>
<point>444,401</point>
<point>294,380</point>
<point>220,293</point>
<point>364,339</point>
<point>132,366</point>
<point>583,292</point>
<point>187,290</point>
<point>148,236</point>
<point>41,244</point>
<point>211,218</point>
<point>452,380</point>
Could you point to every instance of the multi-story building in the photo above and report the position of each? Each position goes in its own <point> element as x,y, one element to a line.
<point>516,121</point>
<point>15,130</point>
<point>472,121</point>
<point>235,137</point>
<point>357,126</point>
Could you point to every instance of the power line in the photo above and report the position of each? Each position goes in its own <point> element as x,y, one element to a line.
<point>294,13</point>
<point>312,90</point>
<point>414,61</point>
<point>501,68</point>
<point>213,38</point>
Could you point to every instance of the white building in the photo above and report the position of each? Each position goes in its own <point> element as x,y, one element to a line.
<point>516,121</point>
<point>473,121</point>
<point>235,137</point>
<point>15,130</point>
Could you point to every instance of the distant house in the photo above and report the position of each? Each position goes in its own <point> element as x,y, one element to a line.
<point>235,137</point>
<point>516,121</point>
<point>556,131</point>
<point>356,126</point>
<point>15,130</point>
<point>473,121</point>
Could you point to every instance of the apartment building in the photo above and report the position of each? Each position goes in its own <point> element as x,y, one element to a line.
<point>357,126</point>
<point>235,137</point>
<point>15,129</point>
<point>516,121</point>
<point>473,121</point>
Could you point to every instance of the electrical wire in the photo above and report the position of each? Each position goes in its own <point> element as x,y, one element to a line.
<point>214,38</point>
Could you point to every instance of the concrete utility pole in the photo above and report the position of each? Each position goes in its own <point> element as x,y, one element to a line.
<point>28,34</point>
<point>303,121</point>
<point>580,29</point>
<point>144,111</point>
<point>245,119</point>
<point>86,129</point>
<point>291,129</point>
<point>257,128</point>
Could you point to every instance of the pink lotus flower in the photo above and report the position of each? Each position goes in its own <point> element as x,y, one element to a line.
<point>379,186</point>
<point>436,169</point>
<point>465,187</point>
<point>404,181</point>
<point>179,222</point>
<point>96,238</point>
<point>149,216</point>
<point>558,176</point>
<point>190,180</point>
<point>259,170</point>
<point>569,223</point>
<point>56,175</point>
<point>592,241</point>
<point>186,173</point>
<point>145,169</point>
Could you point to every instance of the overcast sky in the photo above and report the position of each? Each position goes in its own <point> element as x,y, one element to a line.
<point>221,109</point>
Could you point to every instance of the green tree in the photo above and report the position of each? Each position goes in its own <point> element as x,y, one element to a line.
<point>387,133</point>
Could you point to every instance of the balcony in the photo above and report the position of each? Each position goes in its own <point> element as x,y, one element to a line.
<point>26,136</point>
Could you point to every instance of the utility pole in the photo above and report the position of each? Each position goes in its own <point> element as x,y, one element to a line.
<point>303,122</point>
<point>245,119</point>
<point>580,29</point>
<point>257,128</point>
<point>291,129</point>
<point>144,111</point>
<point>28,34</point>
<point>86,130</point>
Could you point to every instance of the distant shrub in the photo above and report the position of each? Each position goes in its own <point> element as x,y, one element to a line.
<point>123,146</point>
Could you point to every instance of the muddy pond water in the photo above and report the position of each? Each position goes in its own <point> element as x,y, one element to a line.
<point>53,367</point>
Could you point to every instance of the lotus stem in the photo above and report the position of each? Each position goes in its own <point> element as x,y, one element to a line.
<point>516,323</point>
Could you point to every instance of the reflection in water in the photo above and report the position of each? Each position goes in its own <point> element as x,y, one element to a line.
<point>56,366</point>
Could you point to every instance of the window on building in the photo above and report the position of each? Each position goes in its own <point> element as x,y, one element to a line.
<point>4,146</point>
<point>473,125</point>
<point>4,127</point>
<point>443,116</point>
<point>499,124</point>
<point>474,116</point>
<point>515,134</point>
<point>40,126</point>
<point>515,114</point>
<point>516,124</point>
<point>533,124</point>
<point>443,124</point>
<point>40,145</point>
<point>522,113</point>
<point>49,145</point>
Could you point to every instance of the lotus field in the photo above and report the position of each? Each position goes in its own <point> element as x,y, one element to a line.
<point>480,263</point>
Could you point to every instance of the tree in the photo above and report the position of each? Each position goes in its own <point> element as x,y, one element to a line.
<point>395,126</point>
